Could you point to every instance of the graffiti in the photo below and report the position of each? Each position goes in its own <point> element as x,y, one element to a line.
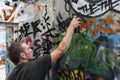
<point>29,42</point>
<point>24,30</point>
<point>43,46</point>
<point>2,8</point>
<point>35,27</point>
<point>95,9</point>
<point>47,43</point>
<point>94,60</point>
<point>38,49</point>
<point>9,66</point>
<point>47,24</point>
<point>27,1</point>
<point>90,24</point>
<point>63,24</point>
<point>96,54</point>
<point>93,1</point>
<point>76,74</point>
<point>97,27</point>
<point>39,7</point>
<point>13,11</point>
<point>41,28</point>
<point>116,28</point>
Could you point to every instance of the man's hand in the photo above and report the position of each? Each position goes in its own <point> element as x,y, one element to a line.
<point>75,22</point>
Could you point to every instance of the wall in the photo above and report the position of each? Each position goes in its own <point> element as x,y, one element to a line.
<point>94,52</point>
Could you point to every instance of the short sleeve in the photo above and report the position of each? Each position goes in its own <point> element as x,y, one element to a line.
<point>42,63</point>
<point>33,70</point>
<point>46,61</point>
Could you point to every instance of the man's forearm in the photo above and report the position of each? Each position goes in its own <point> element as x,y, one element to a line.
<point>63,46</point>
<point>65,43</point>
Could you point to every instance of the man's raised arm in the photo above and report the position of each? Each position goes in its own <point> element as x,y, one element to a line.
<point>65,43</point>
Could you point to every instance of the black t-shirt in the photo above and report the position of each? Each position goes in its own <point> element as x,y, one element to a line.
<point>33,70</point>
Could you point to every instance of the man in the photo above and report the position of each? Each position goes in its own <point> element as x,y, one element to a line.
<point>28,68</point>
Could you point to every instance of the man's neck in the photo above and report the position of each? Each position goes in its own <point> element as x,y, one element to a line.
<point>22,61</point>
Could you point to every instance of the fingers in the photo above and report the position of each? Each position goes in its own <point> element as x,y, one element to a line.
<point>76,17</point>
<point>78,20</point>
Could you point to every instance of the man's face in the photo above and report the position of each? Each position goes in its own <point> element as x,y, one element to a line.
<point>28,52</point>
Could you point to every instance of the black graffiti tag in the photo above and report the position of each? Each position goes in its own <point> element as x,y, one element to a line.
<point>95,9</point>
<point>35,27</point>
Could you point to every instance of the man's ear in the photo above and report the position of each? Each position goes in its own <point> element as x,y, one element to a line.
<point>22,55</point>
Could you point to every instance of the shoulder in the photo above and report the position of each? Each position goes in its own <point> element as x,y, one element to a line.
<point>14,72</point>
<point>41,62</point>
<point>46,58</point>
